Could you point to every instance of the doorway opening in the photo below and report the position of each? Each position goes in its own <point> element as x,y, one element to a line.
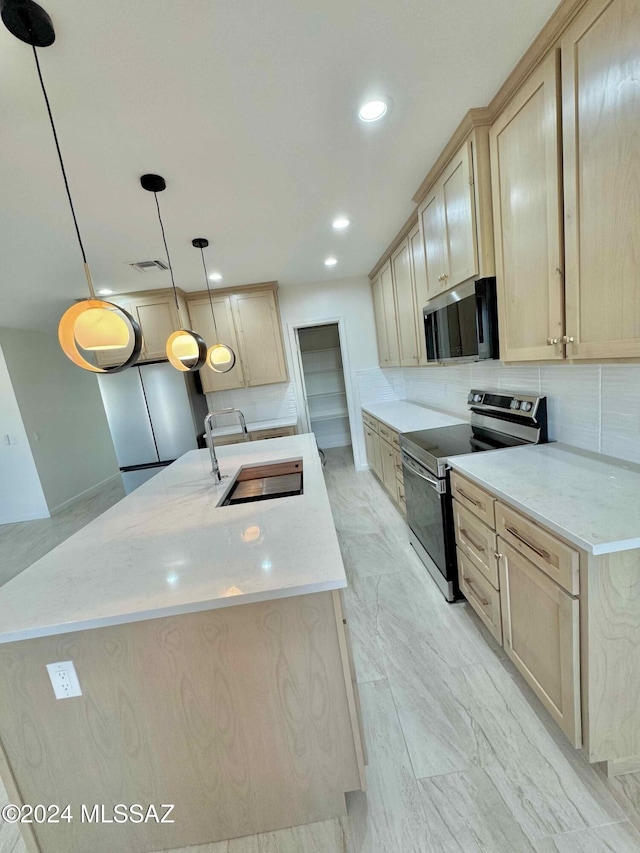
<point>323,384</point>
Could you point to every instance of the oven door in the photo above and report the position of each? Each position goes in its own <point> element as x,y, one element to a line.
<point>428,518</point>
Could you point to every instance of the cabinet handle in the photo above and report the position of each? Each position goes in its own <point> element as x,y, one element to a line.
<point>475,544</point>
<point>482,601</point>
<point>552,341</point>
<point>539,551</point>
<point>497,556</point>
<point>468,497</point>
<point>566,339</point>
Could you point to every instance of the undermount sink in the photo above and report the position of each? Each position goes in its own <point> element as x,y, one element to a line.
<point>265,483</point>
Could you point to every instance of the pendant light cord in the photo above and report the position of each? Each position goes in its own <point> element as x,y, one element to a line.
<point>166,248</point>
<point>206,278</point>
<point>64,173</point>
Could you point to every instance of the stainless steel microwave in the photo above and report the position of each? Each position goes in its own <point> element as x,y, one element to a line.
<point>462,324</point>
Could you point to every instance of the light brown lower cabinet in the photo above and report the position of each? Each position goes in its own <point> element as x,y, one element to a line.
<point>388,468</point>
<point>383,455</point>
<point>541,631</point>
<point>372,444</point>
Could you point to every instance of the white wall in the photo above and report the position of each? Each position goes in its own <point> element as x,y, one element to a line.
<point>348,300</point>
<point>21,495</point>
<point>592,406</point>
<point>61,405</point>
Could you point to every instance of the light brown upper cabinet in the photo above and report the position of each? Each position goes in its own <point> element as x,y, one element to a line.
<point>390,313</point>
<point>405,297</point>
<point>384,308</point>
<point>419,276</point>
<point>601,121</point>
<point>260,337</point>
<point>202,321</point>
<point>248,321</point>
<point>157,315</point>
<point>455,218</point>
<point>527,215</point>
<point>399,294</point>
<point>380,321</point>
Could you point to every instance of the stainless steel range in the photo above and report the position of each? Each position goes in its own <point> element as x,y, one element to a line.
<point>498,421</point>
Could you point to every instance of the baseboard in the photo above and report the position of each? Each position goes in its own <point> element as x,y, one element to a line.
<point>31,516</point>
<point>364,466</point>
<point>85,494</point>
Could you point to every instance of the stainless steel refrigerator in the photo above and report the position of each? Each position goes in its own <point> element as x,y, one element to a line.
<point>155,414</point>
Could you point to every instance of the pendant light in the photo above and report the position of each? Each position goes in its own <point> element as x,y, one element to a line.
<point>90,324</point>
<point>186,350</point>
<point>220,357</point>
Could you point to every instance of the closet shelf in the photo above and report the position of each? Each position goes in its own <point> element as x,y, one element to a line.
<point>333,416</point>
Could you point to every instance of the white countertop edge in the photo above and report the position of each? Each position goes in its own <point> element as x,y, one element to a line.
<point>255,426</point>
<point>427,409</point>
<point>177,610</point>
<point>596,550</point>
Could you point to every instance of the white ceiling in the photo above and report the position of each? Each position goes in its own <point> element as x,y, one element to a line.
<point>249,110</point>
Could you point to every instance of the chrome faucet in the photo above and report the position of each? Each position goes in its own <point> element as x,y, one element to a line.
<point>208,426</point>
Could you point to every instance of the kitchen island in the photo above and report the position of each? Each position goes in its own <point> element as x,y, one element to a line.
<point>212,655</point>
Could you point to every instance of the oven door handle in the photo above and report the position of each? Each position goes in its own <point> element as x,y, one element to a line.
<point>413,467</point>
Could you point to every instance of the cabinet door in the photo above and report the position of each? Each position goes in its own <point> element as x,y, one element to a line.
<point>158,319</point>
<point>202,322</point>
<point>419,275</point>
<point>389,468</point>
<point>431,222</point>
<point>459,218</point>
<point>258,326</point>
<point>601,117</point>
<point>381,323</point>
<point>540,623</point>
<point>372,443</point>
<point>390,315</point>
<point>527,220</point>
<point>405,305</point>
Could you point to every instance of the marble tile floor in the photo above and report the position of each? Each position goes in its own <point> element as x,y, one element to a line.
<point>462,757</point>
<point>23,543</point>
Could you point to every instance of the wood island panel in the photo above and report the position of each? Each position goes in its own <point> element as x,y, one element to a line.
<point>242,716</point>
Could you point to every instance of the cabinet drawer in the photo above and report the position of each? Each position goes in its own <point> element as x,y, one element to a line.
<point>477,541</point>
<point>372,423</point>
<point>480,594</point>
<point>389,435</point>
<point>473,498</point>
<point>559,561</point>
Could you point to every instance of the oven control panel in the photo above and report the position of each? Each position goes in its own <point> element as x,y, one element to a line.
<point>496,401</point>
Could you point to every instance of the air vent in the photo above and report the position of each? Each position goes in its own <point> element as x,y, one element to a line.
<point>149,266</point>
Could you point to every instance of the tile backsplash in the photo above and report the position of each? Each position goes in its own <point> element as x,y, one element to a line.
<point>592,406</point>
<point>262,403</point>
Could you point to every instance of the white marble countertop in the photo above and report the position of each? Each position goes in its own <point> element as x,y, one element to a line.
<point>590,500</point>
<point>254,426</point>
<point>167,548</point>
<point>404,416</point>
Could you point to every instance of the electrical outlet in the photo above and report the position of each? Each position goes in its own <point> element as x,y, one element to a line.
<point>64,679</point>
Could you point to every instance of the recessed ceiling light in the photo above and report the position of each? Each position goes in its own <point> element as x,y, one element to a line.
<point>373,110</point>
<point>341,222</point>
<point>331,262</point>
<point>215,276</point>
<point>105,292</point>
